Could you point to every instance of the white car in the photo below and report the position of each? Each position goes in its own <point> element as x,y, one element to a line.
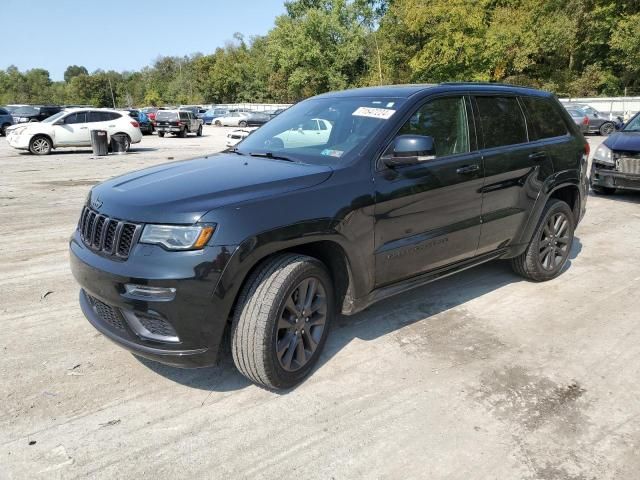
<point>232,119</point>
<point>236,136</point>
<point>313,132</point>
<point>72,128</point>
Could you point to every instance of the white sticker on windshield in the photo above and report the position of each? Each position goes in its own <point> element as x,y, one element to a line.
<point>381,113</point>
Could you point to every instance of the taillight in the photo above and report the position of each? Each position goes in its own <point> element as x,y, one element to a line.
<point>135,124</point>
<point>585,120</point>
<point>180,124</point>
<point>587,149</point>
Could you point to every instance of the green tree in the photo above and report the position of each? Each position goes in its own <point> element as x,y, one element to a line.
<point>74,71</point>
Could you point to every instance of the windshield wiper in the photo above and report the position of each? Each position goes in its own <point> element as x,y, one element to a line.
<point>235,150</point>
<point>271,155</point>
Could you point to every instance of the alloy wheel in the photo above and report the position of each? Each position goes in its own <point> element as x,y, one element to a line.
<point>554,241</point>
<point>301,324</point>
<point>40,145</point>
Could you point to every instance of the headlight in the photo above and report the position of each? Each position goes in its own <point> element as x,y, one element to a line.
<point>173,237</point>
<point>603,154</point>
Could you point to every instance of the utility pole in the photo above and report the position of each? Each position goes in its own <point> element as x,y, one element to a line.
<point>113,99</point>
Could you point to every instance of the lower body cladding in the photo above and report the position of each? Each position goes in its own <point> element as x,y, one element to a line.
<point>158,304</point>
<point>617,177</point>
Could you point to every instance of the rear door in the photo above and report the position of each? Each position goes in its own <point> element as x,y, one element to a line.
<point>515,169</point>
<point>428,215</point>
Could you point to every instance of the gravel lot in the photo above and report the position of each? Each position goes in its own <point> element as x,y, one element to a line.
<point>481,375</point>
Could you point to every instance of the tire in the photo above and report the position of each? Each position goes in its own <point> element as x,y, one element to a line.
<point>199,132</point>
<point>242,124</point>
<point>269,316</point>
<point>40,145</point>
<point>3,129</point>
<point>607,129</point>
<point>549,248</point>
<point>603,190</point>
<point>182,133</point>
<point>161,134</point>
<point>217,123</point>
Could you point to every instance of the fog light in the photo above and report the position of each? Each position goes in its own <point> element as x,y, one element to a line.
<point>153,294</point>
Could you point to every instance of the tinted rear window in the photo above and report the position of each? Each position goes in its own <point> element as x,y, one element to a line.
<point>164,115</point>
<point>502,121</point>
<point>544,118</point>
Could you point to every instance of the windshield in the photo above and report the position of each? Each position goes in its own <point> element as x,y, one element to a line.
<point>633,125</point>
<point>322,130</point>
<point>26,111</point>
<point>53,118</point>
<point>165,115</point>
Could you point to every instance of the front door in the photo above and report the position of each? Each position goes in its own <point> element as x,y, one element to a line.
<point>73,131</point>
<point>428,215</point>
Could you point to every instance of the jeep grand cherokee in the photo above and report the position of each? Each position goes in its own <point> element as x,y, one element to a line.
<point>394,187</point>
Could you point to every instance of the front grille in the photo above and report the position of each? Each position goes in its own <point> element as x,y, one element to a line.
<point>156,325</point>
<point>107,313</point>
<point>107,235</point>
<point>629,165</point>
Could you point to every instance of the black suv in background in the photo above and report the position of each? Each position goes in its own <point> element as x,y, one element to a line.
<point>178,122</point>
<point>269,241</point>
<point>34,113</point>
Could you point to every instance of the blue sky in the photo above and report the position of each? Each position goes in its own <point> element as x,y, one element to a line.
<point>122,34</point>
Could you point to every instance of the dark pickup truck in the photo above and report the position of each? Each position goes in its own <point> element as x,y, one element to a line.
<point>342,200</point>
<point>178,122</point>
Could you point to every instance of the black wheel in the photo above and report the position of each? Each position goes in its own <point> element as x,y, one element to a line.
<point>183,133</point>
<point>242,124</point>
<point>282,319</point>
<point>161,134</point>
<point>127,143</point>
<point>217,123</point>
<point>40,145</point>
<point>603,190</point>
<point>3,129</point>
<point>199,132</point>
<point>549,248</point>
<point>607,129</point>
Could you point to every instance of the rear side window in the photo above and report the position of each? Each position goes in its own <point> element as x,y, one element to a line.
<point>184,116</point>
<point>502,121</point>
<point>544,119</point>
<point>79,117</point>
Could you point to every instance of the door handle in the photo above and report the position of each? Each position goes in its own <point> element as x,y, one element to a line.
<point>537,156</point>
<point>468,169</point>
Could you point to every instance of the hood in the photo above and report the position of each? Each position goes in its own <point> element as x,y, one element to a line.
<point>624,141</point>
<point>181,192</point>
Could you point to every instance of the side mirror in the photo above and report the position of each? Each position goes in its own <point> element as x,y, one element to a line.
<point>409,150</point>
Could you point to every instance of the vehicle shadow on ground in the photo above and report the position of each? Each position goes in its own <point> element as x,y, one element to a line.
<point>383,318</point>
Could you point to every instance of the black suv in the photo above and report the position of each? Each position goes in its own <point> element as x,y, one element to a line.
<point>392,188</point>
<point>178,122</point>
<point>34,113</point>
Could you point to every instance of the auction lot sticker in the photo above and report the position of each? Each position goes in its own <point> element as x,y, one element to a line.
<point>381,113</point>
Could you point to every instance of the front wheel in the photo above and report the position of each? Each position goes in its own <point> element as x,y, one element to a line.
<point>161,134</point>
<point>549,248</point>
<point>3,129</point>
<point>242,124</point>
<point>199,132</point>
<point>607,129</point>
<point>40,146</point>
<point>282,319</point>
<point>217,123</point>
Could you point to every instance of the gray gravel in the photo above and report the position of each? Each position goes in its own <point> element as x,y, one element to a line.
<point>481,375</point>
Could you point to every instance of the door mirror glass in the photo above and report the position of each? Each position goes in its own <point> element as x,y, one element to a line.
<point>409,150</point>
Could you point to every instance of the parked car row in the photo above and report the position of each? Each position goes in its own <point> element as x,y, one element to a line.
<point>592,121</point>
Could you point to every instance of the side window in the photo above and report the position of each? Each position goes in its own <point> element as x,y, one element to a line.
<point>78,117</point>
<point>184,116</point>
<point>94,116</point>
<point>444,120</point>
<point>112,115</point>
<point>502,121</point>
<point>323,126</point>
<point>3,112</point>
<point>544,118</point>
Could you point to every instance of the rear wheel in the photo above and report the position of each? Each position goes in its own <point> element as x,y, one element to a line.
<point>217,123</point>
<point>40,145</point>
<point>242,124</point>
<point>183,133</point>
<point>161,134</point>
<point>549,248</point>
<point>199,132</point>
<point>282,319</point>
<point>607,129</point>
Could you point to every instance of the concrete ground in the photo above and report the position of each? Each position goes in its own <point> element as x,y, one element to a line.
<point>479,376</point>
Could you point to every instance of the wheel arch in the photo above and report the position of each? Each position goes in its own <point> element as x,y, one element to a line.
<point>45,135</point>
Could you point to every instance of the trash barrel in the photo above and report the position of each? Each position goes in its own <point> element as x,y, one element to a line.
<point>99,142</point>
<point>119,143</point>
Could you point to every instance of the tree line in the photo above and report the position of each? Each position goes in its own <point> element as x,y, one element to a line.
<point>570,47</point>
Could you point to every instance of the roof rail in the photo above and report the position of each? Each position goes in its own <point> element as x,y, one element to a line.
<point>492,84</point>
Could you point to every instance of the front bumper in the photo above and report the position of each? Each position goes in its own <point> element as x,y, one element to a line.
<point>611,178</point>
<point>197,316</point>
<point>20,142</point>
